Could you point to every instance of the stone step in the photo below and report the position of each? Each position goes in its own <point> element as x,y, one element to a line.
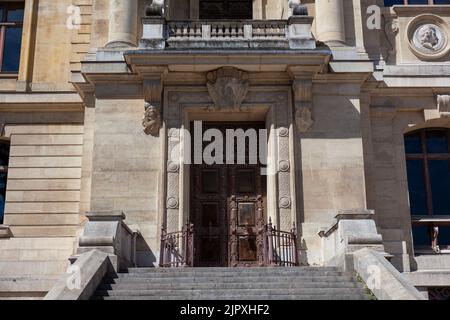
<point>232,292</point>
<point>231,279</point>
<point>302,283</point>
<point>242,274</point>
<point>241,297</point>
<point>231,285</point>
<point>234,270</point>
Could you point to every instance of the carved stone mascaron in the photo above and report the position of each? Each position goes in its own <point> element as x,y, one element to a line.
<point>228,88</point>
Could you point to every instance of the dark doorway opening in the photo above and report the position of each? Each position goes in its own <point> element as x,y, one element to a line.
<point>228,206</point>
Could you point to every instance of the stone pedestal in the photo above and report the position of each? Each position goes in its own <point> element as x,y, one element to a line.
<point>330,24</point>
<point>122,23</point>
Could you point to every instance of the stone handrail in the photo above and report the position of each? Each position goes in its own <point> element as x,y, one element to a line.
<point>386,282</point>
<point>107,246</point>
<point>353,243</point>
<point>83,277</point>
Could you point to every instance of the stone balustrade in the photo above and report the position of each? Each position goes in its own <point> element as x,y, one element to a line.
<point>294,33</point>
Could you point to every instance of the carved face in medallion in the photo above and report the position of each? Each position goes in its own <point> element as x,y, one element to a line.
<point>428,37</point>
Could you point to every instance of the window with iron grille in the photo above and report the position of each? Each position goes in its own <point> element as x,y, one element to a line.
<point>428,170</point>
<point>11,23</point>
<point>389,3</point>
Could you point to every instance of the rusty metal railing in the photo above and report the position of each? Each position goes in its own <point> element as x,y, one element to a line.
<point>177,248</point>
<point>281,246</point>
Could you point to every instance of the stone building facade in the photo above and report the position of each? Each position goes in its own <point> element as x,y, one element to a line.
<point>354,94</point>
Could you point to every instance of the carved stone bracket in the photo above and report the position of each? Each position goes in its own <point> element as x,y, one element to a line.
<point>302,88</point>
<point>153,103</point>
<point>443,102</point>
<point>228,88</point>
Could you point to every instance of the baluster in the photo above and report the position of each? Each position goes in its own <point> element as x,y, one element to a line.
<point>240,30</point>
<point>233,30</point>
<point>179,30</point>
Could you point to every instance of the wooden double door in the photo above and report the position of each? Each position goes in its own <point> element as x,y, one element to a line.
<point>228,209</point>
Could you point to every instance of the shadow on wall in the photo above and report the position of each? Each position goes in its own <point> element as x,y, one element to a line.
<point>144,255</point>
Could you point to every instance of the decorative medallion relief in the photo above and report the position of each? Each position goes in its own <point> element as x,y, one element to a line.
<point>428,37</point>
<point>228,88</point>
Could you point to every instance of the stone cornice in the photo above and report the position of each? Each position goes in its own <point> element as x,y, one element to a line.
<point>418,9</point>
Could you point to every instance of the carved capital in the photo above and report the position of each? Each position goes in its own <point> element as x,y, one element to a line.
<point>228,88</point>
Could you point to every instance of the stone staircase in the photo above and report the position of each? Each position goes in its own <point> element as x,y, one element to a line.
<point>302,283</point>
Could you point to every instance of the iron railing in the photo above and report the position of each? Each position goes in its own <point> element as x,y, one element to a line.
<point>177,248</point>
<point>281,246</point>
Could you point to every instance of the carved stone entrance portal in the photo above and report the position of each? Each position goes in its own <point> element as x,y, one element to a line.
<point>228,209</point>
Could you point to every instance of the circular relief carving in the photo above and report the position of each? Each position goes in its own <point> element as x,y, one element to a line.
<point>284,165</point>
<point>428,37</point>
<point>172,203</point>
<point>283,132</point>
<point>173,167</point>
<point>285,203</point>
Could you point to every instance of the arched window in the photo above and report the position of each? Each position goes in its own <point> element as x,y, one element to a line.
<point>428,168</point>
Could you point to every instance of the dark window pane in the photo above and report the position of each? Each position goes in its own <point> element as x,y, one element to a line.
<point>441,1</point>
<point>4,154</point>
<point>421,236</point>
<point>440,186</point>
<point>444,236</point>
<point>2,195</point>
<point>416,187</point>
<point>437,141</point>
<point>15,15</point>
<point>389,3</point>
<point>1,14</point>
<point>417,1</point>
<point>413,143</point>
<point>11,54</point>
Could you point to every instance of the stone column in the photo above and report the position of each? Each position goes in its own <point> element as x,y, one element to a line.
<point>122,23</point>
<point>330,25</point>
